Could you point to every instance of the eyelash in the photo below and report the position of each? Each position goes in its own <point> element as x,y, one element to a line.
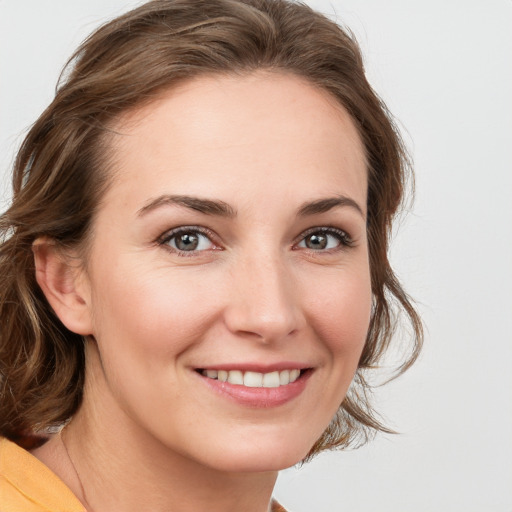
<point>342,237</point>
<point>166,238</point>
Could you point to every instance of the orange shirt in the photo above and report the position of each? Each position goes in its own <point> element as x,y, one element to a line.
<point>27,485</point>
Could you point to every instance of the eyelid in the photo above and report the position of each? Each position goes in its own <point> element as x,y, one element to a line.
<point>345,240</point>
<point>168,235</point>
<point>343,236</point>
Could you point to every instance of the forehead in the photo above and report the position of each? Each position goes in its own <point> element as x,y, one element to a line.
<point>217,130</point>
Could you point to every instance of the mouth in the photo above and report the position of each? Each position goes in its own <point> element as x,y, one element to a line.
<point>251,379</point>
<point>257,386</point>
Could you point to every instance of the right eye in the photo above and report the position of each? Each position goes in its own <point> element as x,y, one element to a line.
<point>187,240</point>
<point>325,239</point>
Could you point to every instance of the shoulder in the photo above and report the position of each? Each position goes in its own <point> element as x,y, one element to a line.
<point>27,485</point>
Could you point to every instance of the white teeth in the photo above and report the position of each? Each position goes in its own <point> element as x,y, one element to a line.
<point>271,380</point>
<point>254,379</point>
<point>294,375</point>
<point>235,377</point>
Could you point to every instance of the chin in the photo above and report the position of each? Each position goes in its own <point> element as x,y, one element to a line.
<point>261,456</point>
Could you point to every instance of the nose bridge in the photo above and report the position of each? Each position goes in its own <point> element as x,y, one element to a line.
<point>263,303</point>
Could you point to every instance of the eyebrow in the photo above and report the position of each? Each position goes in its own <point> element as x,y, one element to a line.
<point>222,209</point>
<point>324,205</point>
<point>206,206</point>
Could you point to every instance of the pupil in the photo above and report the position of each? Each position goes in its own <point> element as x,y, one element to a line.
<point>187,242</point>
<point>316,242</point>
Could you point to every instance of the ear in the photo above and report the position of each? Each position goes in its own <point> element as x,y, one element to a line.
<point>64,284</point>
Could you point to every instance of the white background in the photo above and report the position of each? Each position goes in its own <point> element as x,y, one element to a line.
<point>444,67</point>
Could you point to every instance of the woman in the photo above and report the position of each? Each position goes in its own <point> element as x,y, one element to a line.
<point>195,262</point>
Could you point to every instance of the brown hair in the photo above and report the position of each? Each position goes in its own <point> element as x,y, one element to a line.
<point>60,176</point>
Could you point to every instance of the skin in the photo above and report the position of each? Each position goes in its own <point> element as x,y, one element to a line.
<point>151,433</point>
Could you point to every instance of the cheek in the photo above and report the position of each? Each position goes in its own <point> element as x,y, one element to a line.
<point>339,313</point>
<point>339,316</point>
<point>152,314</point>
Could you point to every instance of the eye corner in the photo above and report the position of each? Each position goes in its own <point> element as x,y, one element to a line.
<point>195,241</point>
<point>324,240</point>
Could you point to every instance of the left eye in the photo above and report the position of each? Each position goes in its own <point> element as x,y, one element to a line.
<point>188,241</point>
<point>324,240</point>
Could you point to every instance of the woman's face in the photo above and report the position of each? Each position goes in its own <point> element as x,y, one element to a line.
<point>231,245</point>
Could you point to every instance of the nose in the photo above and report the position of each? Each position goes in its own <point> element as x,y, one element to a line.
<point>263,300</point>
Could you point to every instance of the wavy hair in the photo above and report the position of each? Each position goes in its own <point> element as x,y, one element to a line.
<point>61,173</point>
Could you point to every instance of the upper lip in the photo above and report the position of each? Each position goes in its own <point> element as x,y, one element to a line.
<point>256,367</point>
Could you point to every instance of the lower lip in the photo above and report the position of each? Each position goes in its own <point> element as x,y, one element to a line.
<point>258,397</point>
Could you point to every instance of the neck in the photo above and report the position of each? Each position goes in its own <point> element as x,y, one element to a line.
<point>121,467</point>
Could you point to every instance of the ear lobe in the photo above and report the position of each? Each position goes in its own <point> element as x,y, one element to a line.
<point>64,285</point>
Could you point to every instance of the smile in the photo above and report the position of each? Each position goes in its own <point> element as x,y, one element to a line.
<point>272,386</point>
<point>251,379</point>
